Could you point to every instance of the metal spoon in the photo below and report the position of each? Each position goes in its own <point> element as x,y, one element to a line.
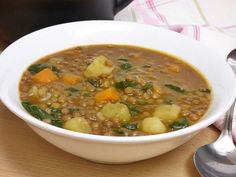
<point>219,158</point>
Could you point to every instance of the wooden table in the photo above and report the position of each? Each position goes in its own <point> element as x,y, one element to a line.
<point>24,154</point>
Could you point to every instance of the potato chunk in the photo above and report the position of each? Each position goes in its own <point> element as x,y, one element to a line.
<point>99,67</point>
<point>167,113</point>
<point>152,125</point>
<point>117,110</point>
<point>78,124</point>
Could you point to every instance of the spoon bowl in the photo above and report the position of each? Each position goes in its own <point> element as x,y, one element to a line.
<point>219,158</point>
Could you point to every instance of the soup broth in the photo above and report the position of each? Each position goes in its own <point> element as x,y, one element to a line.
<point>114,90</point>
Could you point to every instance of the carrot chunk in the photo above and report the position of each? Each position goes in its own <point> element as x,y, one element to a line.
<point>173,68</point>
<point>110,94</point>
<point>71,79</point>
<point>45,76</point>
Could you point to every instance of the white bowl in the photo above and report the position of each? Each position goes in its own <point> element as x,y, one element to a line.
<point>18,56</point>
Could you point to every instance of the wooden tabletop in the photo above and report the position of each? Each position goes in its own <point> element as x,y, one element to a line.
<point>24,154</point>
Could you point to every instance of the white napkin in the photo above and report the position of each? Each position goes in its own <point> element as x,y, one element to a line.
<point>212,23</point>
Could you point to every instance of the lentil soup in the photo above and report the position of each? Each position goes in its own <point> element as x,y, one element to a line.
<point>114,90</point>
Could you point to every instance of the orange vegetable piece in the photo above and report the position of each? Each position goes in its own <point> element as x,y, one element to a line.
<point>45,76</point>
<point>110,94</point>
<point>71,79</point>
<point>173,68</point>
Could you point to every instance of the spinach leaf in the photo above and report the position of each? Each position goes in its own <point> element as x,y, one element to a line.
<point>57,123</point>
<point>94,82</point>
<point>147,86</point>
<point>134,110</point>
<point>179,124</point>
<point>71,110</point>
<point>36,111</point>
<point>42,115</point>
<point>147,66</point>
<point>205,90</point>
<point>56,113</point>
<point>126,66</point>
<point>35,68</point>
<point>72,89</point>
<point>118,132</point>
<point>87,94</point>
<point>125,84</point>
<point>143,101</point>
<point>130,126</point>
<point>175,88</point>
<point>123,59</point>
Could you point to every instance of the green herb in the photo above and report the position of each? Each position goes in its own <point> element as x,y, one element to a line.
<point>147,86</point>
<point>42,115</point>
<point>36,111</point>
<point>130,126</point>
<point>71,89</point>
<point>35,68</point>
<point>86,94</point>
<point>134,110</point>
<point>56,113</point>
<point>143,102</point>
<point>147,66</point>
<point>126,66</point>
<point>181,123</point>
<point>57,123</point>
<point>118,131</point>
<point>175,88</point>
<point>125,84</point>
<point>54,68</point>
<point>205,90</point>
<point>123,59</point>
<point>71,110</point>
<point>93,82</point>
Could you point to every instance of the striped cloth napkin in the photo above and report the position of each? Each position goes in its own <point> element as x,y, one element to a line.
<point>212,23</point>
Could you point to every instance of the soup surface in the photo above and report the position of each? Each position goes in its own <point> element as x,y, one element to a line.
<point>114,90</point>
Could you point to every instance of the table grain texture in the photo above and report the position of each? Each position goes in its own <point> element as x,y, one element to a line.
<point>25,154</point>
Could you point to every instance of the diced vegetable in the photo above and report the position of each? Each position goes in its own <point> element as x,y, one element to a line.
<point>152,125</point>
<point>125,84</point>
<point>175,88</point>
<point>45,76</point>
<point>117,110</point>
<point>99,67</point>
<point>167,113</point>
<point>71,79</point>
<point>110,94</point>
<point>78,124</point>
<point>179,124</point>
<point>173,68</point>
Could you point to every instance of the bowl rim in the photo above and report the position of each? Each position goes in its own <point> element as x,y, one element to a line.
<point>102,138</point>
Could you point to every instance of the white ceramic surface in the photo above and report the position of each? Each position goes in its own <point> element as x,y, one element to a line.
<point>18,56</point>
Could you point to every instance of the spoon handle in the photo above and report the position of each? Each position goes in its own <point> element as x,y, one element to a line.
<point>227,129</point>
